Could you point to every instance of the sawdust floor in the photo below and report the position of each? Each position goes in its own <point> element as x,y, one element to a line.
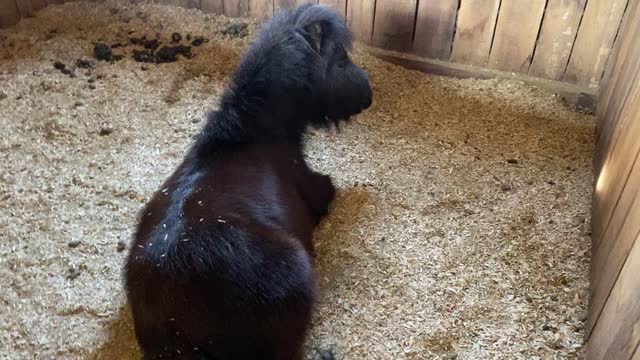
<point>460,229</point>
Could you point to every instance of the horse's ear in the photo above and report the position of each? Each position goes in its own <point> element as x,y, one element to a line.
<point>314,34</point>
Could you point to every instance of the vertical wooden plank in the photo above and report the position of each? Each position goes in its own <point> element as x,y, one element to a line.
<point>393,24</point>
<point>558,32</point>
<point>212,6</point>
<point>615,59</point>
<point>9,14</point>
<point>624,78</point>
<point>614,84</point>
<point>25,9</point>
<point>617,167</point>
<point>593,44</point>
<point>360,19</point>
<point>616,335</point>
<point>475,27</point>
<point>38,4</point>
<point>340,5</point>
<point>435,25</point>
<point>516,34</point>
<point>281,4</point>
<point>236,8</point>
<point>615,245</point>
<point>187,4</point>
<point>260,9</point>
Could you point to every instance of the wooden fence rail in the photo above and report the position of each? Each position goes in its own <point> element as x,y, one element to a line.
<point>566,40</point>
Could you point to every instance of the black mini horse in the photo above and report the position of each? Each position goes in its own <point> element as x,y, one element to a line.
<point>221,267</point>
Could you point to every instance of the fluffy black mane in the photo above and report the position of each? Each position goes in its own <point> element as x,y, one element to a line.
<point>276,92</point>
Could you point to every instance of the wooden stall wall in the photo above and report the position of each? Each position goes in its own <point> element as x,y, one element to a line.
<point>564,40</point>
<point>614,308</point>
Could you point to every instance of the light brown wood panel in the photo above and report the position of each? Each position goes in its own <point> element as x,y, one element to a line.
<point>360,19</point>
<point>616,334</point>
<point>475,28</point>
<point>278,4</point>
<point>9,14</point>
<point>595,38</point>
<point>622,231</point>
<point>236,8</point>
<point>25,9</point>
<point>516,33</point>
<point>636,355</point>
<point>620,46</point>
<point>393,24</point>
<point>38,4</point>
<point>558,32</point>
<point>617,167</point>
<point>435,26</point>
<point>340,5</point>
<point>212,6</point>
<point>619,84</point>
<point>260,9</point>
<point>611,129</point>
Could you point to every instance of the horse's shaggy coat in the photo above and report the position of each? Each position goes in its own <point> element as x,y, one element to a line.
<point>221,267</point>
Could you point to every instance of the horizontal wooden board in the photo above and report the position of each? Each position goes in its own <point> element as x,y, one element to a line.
<point>616,334</point>
<point>572,94</point>
<point>616,169</point>
<point>616,243</point>
<point>435,26</point>
<point>558,32</point>
<point>623,77</point>
<point>594,41</point>
<point>474,33</point>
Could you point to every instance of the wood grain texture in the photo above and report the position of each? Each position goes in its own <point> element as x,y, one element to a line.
<point>612,61</point>
<point>569,93</point>
<point>360,15</point>
<point>393,24</point>
<point>435,26</point>
<point>615,245</point>
<point>9,14</point>
<point>617,333</point>
<point>340,5</point>
<point>475,28</point>
<point>594,41</point>
<point>618,84</point>
<point>279,4</point>
<point>25,8</point>
<point>516,34</point>
<point>558,32</point>
<point>38,4</point>
<point>187,4</point>
<point>260,9</point>
<point>236,8</point>
<point>617,166</point>
<point>212,6</point>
